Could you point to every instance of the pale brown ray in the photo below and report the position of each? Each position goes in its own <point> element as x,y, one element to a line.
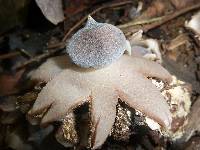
<point>142,95</point>
<point>49,69</point>
<point>103,113</point>
<point>61,95</point>
<point>147,67</point>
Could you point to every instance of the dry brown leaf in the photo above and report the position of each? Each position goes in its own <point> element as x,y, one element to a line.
<point>156,8</point>
<point>178,41</point>
<point>182,3</point>
<point>52,10</point>
<point>175,46</point>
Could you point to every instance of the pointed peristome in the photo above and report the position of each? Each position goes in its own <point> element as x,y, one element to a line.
<point>91,22</point>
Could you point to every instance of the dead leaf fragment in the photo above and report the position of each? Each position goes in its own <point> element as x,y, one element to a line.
<point>182,3</point>
<point>175,46</point>
<point>178,41</point>
<point>156,8</point>
<point>52,10</point>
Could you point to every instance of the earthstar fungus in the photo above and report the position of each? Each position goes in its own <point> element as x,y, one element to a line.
<point>118,76</point>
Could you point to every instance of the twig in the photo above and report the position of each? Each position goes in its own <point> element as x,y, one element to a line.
<point>37,58</point>
<point>25,53</point>
<point>104,6</point>
<point>56,45</point>
<point>19,52</point>
<point>165,19</point>
<point>140,22</point>
<point>9,55</point>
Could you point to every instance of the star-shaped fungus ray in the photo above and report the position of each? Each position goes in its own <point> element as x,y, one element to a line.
<point>146,67</point>
<point>52,67</point>
<point>103,112</point>
<point>144,96</point>
<point>60,97</point>
<point>125,78</point>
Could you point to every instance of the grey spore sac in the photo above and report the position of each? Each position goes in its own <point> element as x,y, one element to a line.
<point>96,45</point>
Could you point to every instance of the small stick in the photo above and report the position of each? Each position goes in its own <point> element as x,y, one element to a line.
<point>19,52</point>
<point>37,58</point>
<point>140,22</point>
<point>9,55</point>
<point>56,45</point>
<point>25,53</point>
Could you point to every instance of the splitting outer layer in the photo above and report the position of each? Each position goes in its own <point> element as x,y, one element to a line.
<point>125,78</point>
<point>96,45</point>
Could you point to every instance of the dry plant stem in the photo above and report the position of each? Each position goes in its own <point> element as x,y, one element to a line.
<point>9,55</point>
<point>92,13</point>
<point>20,52</point>
<point>37,58</point>
<point>140,22</point>
<point>164,19</point>
<point>56,45</point>
<point>25,53</point>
